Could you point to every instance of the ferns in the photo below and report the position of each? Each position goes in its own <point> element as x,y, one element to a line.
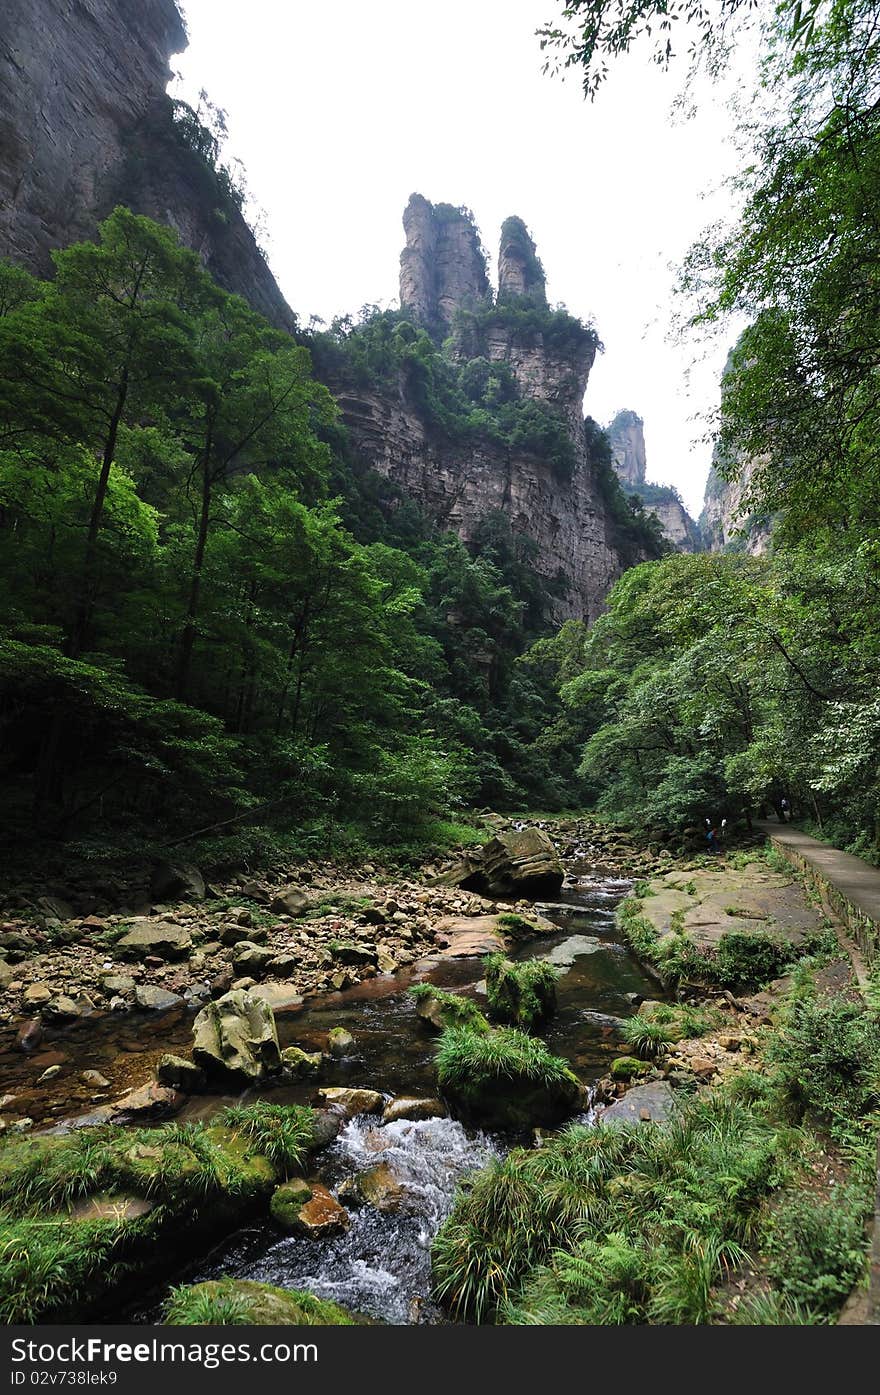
<point>611,1224</point>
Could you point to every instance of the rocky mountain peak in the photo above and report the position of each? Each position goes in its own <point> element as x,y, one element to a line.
<point>86,123</point>
<point>442,266</point>
<point>627,436</point>
<point>520,272</point>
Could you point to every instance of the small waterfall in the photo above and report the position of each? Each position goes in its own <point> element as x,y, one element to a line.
<point>381,1265</point>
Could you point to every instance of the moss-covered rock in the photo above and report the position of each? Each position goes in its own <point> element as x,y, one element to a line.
<point>244,1303</point>
<point>287,1202</point>
<point>505,1079</point>
<point>235,1036</point>
<point>627,1068</point>
<point>439,1009</point>
<point>523,993</point>
<point>96,1208</point>
<point>299,1064</point>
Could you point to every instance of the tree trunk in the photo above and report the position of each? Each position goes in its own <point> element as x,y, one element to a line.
<point>188,637</point>
<point>83,612</point>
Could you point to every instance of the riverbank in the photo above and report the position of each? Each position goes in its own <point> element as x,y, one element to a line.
<point>757,1139</point>
<point>90,1001</point>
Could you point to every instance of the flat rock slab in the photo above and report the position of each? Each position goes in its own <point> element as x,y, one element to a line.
<point>110,1208</point>
<point>280,997</point>
<point>461,936</point>
<point>471,935</point>
<point>564,955</point>
<point>642,1104</point>
<point>712,904</point>
<point>154,937</point>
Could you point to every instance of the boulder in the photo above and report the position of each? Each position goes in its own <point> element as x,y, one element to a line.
<point>642,1104</point>
<point>181,1074</point>
<point>522,862</point>
<point>407,1107</point>
<point>94,1077</point>
<point>377,1186</point>
<point>56,907</point>
<point>36,995</point>
<point>64,1009</point>
<point>283,965</point>
<point>352,1102</point>
<point>321,1214</point>
<point>154,938</point>
<point>172,881</point>
<point>627,1067</point>
<point>150,1101</point>
<point>288,1200</point>
<point>340,1042</point>
<point>345,952</point>
<point>280,997</point>
<point>291,901</point>
<point>250,958</point>
<point>117,985</point>
<point>298,1063</point>
<point>236,1036</point>
<point>29,1035</point>
<point>156,999</point>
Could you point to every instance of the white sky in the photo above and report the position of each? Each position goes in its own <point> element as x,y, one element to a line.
<point>340,111</point>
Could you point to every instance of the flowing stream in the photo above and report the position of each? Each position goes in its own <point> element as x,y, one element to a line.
<point>380,1266</point>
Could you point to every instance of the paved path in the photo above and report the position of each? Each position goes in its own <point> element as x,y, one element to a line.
<point>853,878</point>
<point>858,884</point>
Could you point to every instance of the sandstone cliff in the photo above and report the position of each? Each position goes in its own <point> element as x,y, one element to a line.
<point>726,521</point>
<point>548,355</point>
<point>626,435</point>
<point>85,123</point>
<point>442,266</point>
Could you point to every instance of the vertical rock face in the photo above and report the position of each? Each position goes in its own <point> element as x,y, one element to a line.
<point>520,273</point>
<point>725,521</point>
<point>85,123</point>
<point>627,436</point>
<point>443,286</point>
<point>442,266</point>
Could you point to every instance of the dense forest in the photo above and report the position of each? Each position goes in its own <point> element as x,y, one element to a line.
<point>730,681</point>
<point>211,608</point>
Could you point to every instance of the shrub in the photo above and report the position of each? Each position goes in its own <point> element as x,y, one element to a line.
<point>818,1248</point>
<point>453,1009</point>
<point>745,957</point>
<point>647,1036</point>
<point>505,1078</point>
<point>611,1224</point>
<point>828,1060</point>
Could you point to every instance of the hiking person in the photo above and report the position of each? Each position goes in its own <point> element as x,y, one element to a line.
<point>786,808</point>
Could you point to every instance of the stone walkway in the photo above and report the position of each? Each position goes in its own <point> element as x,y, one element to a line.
<point>853,884</point>
<point>852,878</point>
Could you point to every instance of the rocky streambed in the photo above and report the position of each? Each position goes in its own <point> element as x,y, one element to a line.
<point>356,1228</point>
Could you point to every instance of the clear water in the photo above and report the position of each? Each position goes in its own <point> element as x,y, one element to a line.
<point>381,1265</point>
